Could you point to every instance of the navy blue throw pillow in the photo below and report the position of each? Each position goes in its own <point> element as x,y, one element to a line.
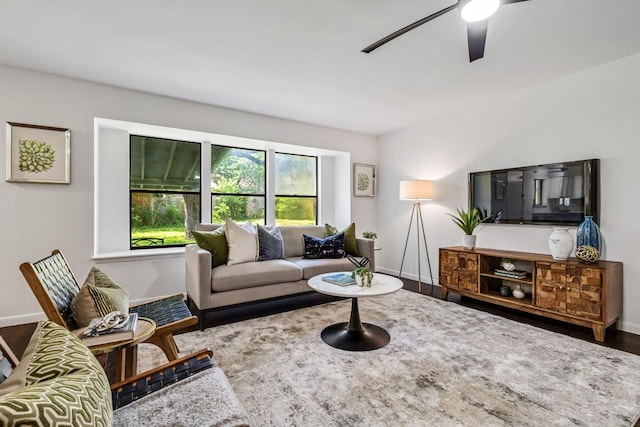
<point>330,247</point>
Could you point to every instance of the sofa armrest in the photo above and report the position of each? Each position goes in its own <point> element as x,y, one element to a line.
<point>366,247</point>
<point>198,275</point>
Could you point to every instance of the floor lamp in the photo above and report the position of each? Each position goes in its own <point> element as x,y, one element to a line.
<point>417,190</point>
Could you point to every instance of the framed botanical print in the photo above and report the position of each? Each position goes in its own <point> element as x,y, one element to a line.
<point>364,180</point>
<point>38,154</point>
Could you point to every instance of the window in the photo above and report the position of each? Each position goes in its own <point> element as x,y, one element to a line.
<point>164,187</point>
<point>237,184</point>
<point>296,191</point>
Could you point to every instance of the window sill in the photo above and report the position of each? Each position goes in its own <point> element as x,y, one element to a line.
<point>137,254</point>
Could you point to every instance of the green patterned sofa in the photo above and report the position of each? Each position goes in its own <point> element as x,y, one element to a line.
<point>58,382</point>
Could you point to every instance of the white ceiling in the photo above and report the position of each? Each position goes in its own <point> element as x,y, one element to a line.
<point>301,60</point>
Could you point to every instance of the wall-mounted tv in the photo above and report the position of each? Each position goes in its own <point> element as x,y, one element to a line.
<point>557,193</point>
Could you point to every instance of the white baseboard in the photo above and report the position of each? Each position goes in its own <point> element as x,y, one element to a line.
<point>410,276</point>
<point>632,328</point>
<point>36,317</point>
<point>22,319</point>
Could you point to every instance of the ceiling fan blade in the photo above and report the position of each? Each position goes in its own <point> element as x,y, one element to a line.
<point>476,37</point>
<point>511,1</point>
<point>401,31</point>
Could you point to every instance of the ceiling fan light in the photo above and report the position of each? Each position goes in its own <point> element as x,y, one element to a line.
<point>477,10</point>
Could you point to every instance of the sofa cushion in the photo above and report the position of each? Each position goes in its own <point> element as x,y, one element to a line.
<point>293,240</point>
<point>57,382</point>
<point>98,297</point>
<point>270,244</point>
<point>313,267</point>
<point>330,247</point>
<point>231,277</point>
<point>350,242</point>
<point>242,241</point>
<point>214,242</point>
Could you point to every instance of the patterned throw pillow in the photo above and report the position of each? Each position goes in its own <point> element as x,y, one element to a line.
<point>98,297</point>
<point>350,241</point>
<point>214,242</point>
<point>57,382</point>
<point>270,244</point>
<point>330,247</point>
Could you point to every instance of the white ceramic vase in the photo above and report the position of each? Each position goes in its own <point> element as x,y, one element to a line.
<point>363,281</point>
<point>560,243</point>
<point>518,292</point>
<point>469,241</point>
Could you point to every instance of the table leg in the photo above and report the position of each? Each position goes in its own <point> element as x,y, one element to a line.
<point>355,335</point>
<point>130,361</point>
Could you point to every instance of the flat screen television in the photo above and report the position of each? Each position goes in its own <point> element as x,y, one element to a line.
<point>557,193</point>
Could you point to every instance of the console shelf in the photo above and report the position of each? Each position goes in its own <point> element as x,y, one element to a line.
<point>571,291</point>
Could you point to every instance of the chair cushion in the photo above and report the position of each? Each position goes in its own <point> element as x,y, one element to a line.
<point>230,277</point>
<point>270,244</point>
<point>214,242</point>
<point>330,247</point>
<point>57,382</point>
<point>350,242</point>
<point>98,297</point>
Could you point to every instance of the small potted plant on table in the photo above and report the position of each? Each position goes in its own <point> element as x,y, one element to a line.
<point>363,276</point>
<point>467,221</point>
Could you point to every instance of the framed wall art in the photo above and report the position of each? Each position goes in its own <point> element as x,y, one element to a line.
<point>364,180</point>
<point>39,154</point>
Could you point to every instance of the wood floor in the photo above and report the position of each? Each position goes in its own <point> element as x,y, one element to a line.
<point>17,337</point>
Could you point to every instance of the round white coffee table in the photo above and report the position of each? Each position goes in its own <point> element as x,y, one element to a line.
<point>355,335</point>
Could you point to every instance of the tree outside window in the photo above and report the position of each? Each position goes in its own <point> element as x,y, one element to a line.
<point>237,184</point>
<point>296,189</point>
<point>164,184</point>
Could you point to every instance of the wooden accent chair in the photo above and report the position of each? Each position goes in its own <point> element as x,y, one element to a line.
<point>54,285</point>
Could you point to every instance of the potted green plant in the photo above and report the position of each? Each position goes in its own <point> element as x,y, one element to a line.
<point>369,234</point>
<point>467,221</point>
<point>363,276</point>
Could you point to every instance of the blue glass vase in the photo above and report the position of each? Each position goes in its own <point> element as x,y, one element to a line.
<point>588,233</point>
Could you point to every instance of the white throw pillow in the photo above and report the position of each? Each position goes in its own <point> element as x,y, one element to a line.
<point>242,241</point>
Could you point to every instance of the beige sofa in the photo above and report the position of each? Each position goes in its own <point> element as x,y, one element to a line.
<point>228,285</point>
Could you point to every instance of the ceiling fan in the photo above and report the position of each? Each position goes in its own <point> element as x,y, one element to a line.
<point>475,12</point>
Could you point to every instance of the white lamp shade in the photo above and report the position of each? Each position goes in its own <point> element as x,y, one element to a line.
<point>477,10</point>
<point>416,190</point>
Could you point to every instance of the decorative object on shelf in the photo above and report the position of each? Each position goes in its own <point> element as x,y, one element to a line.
<point>518,292</point>
<point>369,235</point>
<point>467,221</point>
<point>417,190</point>
<point>505,291</point>
<point>587,254</point>
<point>38,154</point>
<point>364,180</point>
<point>363,276</point>
<point>588,234</point>
<point>507,264</point>
<point>560,243</point>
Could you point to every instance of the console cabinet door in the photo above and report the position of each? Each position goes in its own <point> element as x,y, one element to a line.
<point>550,286</point>
<point>584,292</point>
<point>570,289</point>
<point>459,270</point>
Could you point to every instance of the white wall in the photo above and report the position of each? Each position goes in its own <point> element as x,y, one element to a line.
<point>36,218</point>
<point>592,114</point>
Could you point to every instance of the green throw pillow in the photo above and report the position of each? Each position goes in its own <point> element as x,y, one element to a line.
<point>98,297</point>
<point>350,242</point>
<point>57,382</point>
<point>214,242</point>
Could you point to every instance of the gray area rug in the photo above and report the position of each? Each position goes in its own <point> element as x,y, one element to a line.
<point>446,365</point>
